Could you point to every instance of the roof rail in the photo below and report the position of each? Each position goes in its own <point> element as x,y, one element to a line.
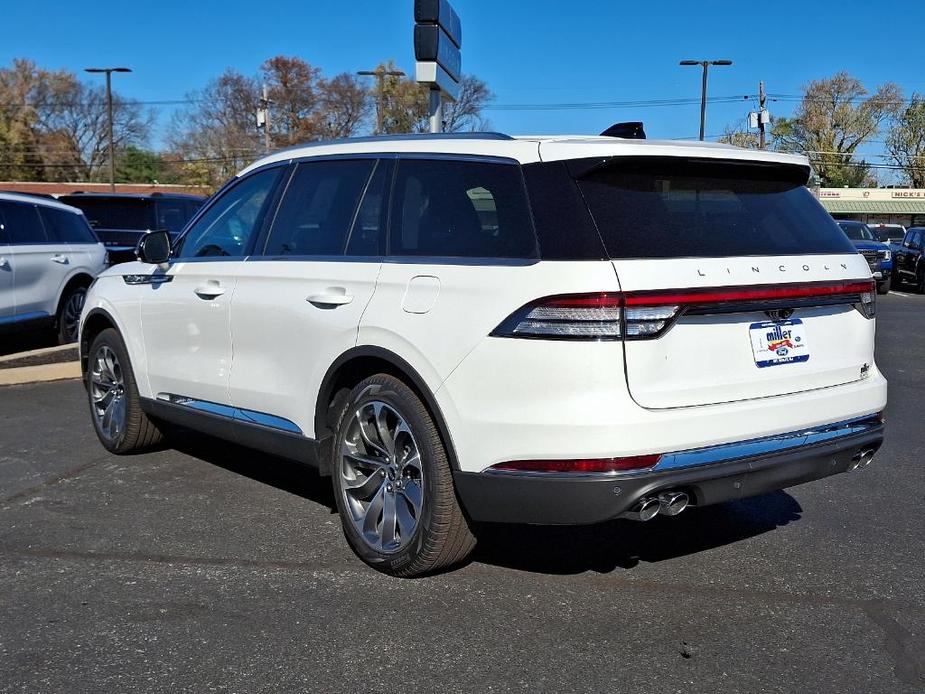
<point>401,138</point>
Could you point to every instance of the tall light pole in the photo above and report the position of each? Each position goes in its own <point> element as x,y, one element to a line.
<point>112,160</point>
<point>380,73</point>
<point>703,94</point>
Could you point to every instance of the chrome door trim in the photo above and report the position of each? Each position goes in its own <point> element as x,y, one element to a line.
<point>233,413</point>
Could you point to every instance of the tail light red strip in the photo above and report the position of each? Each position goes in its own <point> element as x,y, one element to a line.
<point>661,297</point>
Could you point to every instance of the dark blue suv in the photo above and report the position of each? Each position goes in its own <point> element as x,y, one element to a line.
<point>877,253</point>
<point>120,219</point>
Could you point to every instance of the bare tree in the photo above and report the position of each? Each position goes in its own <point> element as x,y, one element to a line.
<point>466,112</point>
<point>218,135</point>
<point>294,88</point>
<point>832,121</point>
<point>345,106</point>
<point>739,137</point>
<point>906,141</point>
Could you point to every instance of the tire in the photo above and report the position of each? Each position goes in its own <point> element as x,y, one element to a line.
<point>115,407</point>
<point>884,287</point>
<point>920,280</point>
<point>390,463</point>
<point>68,319</point>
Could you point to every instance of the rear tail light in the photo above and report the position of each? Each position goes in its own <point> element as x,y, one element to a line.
<point>868,303</point>
<point>585,317</point>
<point>648,314</point>
<point>581,465</point>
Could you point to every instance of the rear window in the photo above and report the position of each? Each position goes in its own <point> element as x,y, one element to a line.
<point>115,213</point>
<point>856,231</point>
<point>666,208</point>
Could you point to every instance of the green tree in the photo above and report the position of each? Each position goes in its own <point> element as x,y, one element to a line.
<point>136,165</point>
<point>834,118</point>
<point>906,141</point>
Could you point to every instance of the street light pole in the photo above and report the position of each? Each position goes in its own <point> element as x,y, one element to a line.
<point>112,156</point>
<point>380,73</point>
<point>703,90</point>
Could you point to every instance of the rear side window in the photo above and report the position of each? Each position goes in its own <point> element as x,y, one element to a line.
<point>460,209</point>
<point>66,227</point>
<point>666,208</point>
<point>21,223</point>
<point>318,207</point>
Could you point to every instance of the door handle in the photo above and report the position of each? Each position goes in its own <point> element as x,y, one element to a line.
<point>58,258</point>
<point>330,298</point>
<point>209,291</point>
<point>4,263</point>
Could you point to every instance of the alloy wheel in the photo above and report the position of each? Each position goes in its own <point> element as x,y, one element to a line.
<point>381,477</point>
<point>107,393</point>
<point>70,315</point>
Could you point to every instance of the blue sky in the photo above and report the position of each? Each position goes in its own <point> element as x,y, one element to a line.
<point>528,51</point>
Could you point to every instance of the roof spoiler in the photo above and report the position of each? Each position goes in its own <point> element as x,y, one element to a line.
<point>632,130</point>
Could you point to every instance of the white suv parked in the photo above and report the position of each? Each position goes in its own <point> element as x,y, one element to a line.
<point>48,258</point>
<point>485,328</point>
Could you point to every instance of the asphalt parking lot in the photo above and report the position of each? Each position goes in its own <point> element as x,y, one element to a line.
<point>213,568</point>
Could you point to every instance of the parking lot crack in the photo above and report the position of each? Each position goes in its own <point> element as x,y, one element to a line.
<point>904,649</point>
<point>68,474</point>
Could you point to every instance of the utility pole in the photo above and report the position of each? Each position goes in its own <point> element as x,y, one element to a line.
<point>380,73</point>
<point>761,114</point>
<point>705,64</point>
<point>263,117</point>
<point>112,148</point>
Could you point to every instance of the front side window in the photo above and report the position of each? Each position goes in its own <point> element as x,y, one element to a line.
<point>318,208</point>
<point>66,227</point>
<point>21,223</point>
<point>233,220</point>
<point>460,209</point>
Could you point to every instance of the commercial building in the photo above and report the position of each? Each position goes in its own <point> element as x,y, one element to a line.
<point>904,206</point>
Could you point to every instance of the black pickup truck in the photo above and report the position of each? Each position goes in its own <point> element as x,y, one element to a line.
<point>909,259</point>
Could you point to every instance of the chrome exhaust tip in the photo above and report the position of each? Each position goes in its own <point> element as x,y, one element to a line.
<point>646,509</point>
<point>672,503</point>
<point>861,459</point>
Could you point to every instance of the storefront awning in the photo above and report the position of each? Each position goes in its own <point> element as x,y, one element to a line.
<point>874,206</point>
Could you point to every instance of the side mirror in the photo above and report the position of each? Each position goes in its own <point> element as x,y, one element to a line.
<point>154,248</point>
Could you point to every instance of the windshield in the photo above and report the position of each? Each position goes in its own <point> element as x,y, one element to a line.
<point>667,208</point>
<point>857,231</point>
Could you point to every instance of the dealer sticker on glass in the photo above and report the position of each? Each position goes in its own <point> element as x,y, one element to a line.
<point>778,342</point>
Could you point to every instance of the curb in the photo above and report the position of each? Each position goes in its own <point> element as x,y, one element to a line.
<point>36,352</point>
<point>37,374</point>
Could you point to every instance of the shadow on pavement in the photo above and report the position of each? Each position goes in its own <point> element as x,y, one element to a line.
<point>282,473</point>
<point>623,543</point>
<point>601,548</point>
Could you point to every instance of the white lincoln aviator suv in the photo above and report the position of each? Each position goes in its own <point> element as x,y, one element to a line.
<point>458,329</point>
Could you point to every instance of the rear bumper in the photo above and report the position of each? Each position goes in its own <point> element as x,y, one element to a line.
<point>759,467</point>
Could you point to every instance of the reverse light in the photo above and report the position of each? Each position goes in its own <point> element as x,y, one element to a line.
<point>580,465</point>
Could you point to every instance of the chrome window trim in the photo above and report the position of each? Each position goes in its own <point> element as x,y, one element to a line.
<point>725,452</point>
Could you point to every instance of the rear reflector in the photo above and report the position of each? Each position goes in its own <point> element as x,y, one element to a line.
<point>581,465</point>
<point>647,314</point>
